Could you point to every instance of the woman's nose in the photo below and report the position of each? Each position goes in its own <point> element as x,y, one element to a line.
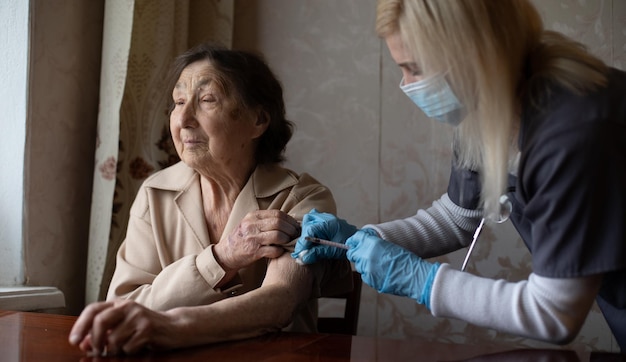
<point>410,78</point>
<point>187,116</point>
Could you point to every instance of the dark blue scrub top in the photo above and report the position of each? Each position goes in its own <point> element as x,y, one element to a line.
<point>569,195</point>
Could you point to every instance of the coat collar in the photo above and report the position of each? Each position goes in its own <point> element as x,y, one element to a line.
<point>265,181</point>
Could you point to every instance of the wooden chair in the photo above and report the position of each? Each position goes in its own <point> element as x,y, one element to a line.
<point>347,324</point>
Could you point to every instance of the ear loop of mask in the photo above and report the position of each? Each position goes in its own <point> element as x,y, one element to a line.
<point>506,207</point>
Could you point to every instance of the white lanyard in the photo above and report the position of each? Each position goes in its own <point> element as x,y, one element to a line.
<point>505,211</point>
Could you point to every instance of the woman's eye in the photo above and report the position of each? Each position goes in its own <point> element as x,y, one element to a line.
<point>414,70</point>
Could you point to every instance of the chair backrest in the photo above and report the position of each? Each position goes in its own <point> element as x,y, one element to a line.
<point>347,324</point>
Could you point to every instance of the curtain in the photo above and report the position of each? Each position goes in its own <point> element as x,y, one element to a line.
<point>140,40</point>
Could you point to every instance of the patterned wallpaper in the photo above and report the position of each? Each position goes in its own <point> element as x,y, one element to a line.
<point>357,133</point>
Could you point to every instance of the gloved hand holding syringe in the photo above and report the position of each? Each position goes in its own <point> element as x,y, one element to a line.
<point>384,266</point>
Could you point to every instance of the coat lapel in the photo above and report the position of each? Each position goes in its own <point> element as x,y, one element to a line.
<point>190,207</point>
<point>265,181</point>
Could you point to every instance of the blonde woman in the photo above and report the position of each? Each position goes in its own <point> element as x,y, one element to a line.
<point>540,136</point>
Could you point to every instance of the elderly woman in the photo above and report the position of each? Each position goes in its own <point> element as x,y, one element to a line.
<point>204,257</point>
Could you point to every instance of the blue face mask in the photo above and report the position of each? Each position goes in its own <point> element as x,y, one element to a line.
<point>435,98</point>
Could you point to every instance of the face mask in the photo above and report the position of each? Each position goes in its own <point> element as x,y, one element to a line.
<point>435,98</point>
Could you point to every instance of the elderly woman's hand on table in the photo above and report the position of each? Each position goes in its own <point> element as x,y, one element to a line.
<point>122,326</point>
<point>260,234</point>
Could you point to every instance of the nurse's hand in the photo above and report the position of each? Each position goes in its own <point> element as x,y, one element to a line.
<point>324,226</point>
<point>389,268</point>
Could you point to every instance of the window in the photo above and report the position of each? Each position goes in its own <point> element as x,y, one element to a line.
<point>13,78</point>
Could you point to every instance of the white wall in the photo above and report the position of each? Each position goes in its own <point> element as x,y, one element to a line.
<point>13,76</point>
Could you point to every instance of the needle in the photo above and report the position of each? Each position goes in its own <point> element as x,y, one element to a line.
<point>326,242</point>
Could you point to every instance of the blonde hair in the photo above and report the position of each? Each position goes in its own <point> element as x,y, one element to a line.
<point>494,54</point>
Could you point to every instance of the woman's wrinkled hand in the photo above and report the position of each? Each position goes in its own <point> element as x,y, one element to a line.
<point>260,234</point>
<point>123,327</point>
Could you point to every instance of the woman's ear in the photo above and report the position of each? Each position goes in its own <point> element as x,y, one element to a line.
<point>261,123</point>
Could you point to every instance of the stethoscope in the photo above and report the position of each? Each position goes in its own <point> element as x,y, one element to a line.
<point>506,207</point>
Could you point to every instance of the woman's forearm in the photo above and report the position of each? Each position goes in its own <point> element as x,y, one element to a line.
<point>252,314</point>
<point>268,308</point>
<point>442,228</point>
<point>543,308</point>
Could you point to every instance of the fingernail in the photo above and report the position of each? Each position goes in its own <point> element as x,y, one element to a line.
<point>74,339</point>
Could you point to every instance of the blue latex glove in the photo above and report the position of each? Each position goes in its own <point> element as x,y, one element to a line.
<point>324,226</point>
<point>389,268</point>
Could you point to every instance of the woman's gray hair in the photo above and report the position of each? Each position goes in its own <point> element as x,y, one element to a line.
<point>246,78</point>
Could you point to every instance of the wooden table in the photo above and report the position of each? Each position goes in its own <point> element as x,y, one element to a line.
<point>43,337</point>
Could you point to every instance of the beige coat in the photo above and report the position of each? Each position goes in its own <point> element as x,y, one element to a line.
<point>167,261</point>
